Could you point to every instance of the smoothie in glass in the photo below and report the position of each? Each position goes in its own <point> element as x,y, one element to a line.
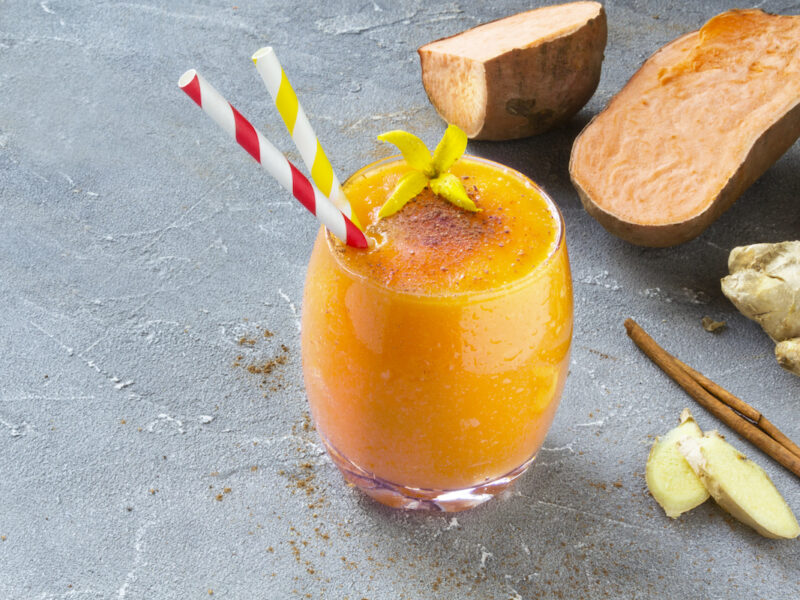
<point>434,360</point>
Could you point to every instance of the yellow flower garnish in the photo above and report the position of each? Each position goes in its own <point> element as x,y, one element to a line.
<point>428,170</point>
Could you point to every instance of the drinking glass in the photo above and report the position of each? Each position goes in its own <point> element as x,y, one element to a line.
<point>434,400</point>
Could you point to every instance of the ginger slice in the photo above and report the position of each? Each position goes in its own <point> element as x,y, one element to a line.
<point>671,480</point>
<point>739,485</point>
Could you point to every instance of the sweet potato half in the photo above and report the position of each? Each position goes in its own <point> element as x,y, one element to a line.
<point>701,120</point>
<point>518,76</point>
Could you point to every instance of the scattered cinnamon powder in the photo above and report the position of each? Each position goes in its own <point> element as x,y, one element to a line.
<point>305,482</point>
<point>263,368</point>
<point>295,550</point>
<point>306,425</point>
<point>267,367</point>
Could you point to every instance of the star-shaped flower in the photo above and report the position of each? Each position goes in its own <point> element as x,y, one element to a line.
<point>428,170</point>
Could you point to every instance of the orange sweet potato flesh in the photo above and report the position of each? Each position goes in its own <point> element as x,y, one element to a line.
<point>701,120</point>
<point>518,76</point>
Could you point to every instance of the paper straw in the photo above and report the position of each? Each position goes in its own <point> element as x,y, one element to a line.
<point>300,129</point>
<point>269,157</point>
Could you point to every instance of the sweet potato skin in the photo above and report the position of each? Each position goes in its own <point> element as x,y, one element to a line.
<point>533,90</point>
<point>529,90</point>
<point>765,149</point>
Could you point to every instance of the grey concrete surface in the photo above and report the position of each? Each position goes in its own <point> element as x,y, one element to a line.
<point>138,245</point>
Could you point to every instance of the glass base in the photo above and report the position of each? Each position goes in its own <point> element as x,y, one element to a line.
<point>409,498</point>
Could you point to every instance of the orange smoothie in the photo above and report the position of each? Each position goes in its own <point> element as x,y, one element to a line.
<point>435,359</point>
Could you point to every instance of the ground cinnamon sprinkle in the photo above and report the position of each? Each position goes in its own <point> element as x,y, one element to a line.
<point>267,367</point>
<point>307,424</point>
<point>305,483</point>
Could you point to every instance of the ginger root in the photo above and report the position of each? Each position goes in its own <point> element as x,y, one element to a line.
<point>670,479</point>
<point>739,485</point>
<point>788,354</point>
<point>764,285</point>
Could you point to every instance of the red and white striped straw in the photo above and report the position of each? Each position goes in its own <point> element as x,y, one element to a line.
<point>269,157</point>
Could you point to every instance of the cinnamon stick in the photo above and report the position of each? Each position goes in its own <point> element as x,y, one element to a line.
<point>670,365</point>
<point>742,407</point>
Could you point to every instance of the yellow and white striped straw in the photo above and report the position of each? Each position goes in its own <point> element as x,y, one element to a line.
<point>300,129</point>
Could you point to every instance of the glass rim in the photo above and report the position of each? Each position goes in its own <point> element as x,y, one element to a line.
<point>558,241</point>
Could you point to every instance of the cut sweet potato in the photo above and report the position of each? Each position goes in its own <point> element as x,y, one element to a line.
<point>702,119</point>
<point>518,76</point>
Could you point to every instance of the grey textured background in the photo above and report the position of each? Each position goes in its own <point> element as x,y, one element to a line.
<point>138,245</point>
